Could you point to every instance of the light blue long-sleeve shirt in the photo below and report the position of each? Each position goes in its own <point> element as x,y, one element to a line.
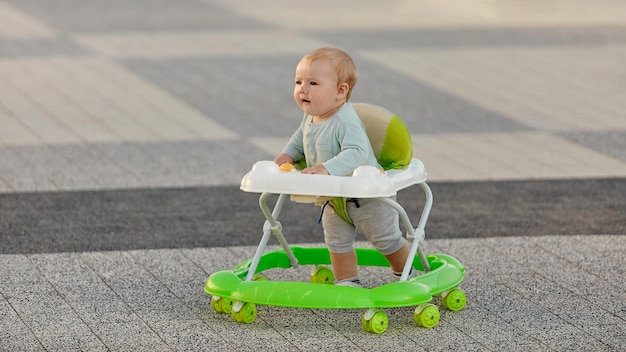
<point>340,143</point>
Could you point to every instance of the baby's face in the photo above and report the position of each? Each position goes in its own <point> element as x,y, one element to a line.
<point>315,90</point>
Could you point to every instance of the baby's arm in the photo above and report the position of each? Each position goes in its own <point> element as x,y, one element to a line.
<point>317,169</point>
<point>292,150</point>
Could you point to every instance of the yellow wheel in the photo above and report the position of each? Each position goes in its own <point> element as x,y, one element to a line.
<point>454,300</point>
<point>366,324</point>
<point>426,315</point>
<point>375,321</point>
<point>246,313</point>
<point>260,277</point>
<point>322,275</point>
<point>226,305</point>
<point>216,304</point>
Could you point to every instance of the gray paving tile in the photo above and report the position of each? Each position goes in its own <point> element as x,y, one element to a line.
<point>14,333</point>
<point>122,336</point>
<point>96,164</point>
<point>473,37</point>
<point>21,175</point>
<point>492,332</point>
<point>608,247</point>
<point>5,187</point>
<point>189,335</point>
<point>534,292</point>
<point>176,164</point>
<point>207,84</point>
<point>180,275</point>
<point>436,340</point>
<point>547,293</point>
<point>587,285</point>
<point>95,16</point>
<point>118,272</point>
<point>19,341</point>
<point>258,336</point>
<point>609,142</point>
<point>73,343</point>
<point>63,172</point>
<point>612,335</point>
<point>563,338</point>
<point>81,287</point>
<point>38,48</point>
<point>47,320</point>
<point>476,256</point>
<point>302,327</point>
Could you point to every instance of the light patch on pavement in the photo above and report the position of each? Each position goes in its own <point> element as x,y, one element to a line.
<point>510,156</point>
<point>189,44</point>
<point>565,88</point>
<point>62,100</point>
<point>15,24</point>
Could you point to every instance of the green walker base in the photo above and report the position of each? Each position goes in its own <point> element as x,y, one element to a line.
<point>446,274</point>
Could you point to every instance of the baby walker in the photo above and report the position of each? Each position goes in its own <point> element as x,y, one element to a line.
<point>239,290</point>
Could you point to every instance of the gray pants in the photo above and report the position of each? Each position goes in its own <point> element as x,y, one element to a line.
<point>375,219</point>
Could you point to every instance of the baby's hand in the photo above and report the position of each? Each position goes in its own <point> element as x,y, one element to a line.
<point>282,159</point>
<point>317,169</point>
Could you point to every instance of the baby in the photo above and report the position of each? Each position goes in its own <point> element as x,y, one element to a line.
<point>333,141</point>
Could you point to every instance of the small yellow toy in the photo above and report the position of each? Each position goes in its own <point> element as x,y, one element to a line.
<point>287,167</point>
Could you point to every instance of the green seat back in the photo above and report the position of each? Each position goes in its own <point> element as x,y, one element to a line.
<point>388,135</point>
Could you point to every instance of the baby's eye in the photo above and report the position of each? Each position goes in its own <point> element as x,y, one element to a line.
<point>313,83</point>
<point>298,82</point>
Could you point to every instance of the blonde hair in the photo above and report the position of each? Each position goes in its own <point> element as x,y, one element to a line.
<point>340,61</point>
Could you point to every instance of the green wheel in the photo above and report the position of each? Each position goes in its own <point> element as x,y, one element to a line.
<point>226,305</point>
<point>216,304</point>
<point>426,315</point>
<point>260,277</point>
<point>322,275</point>
<point>454,300</point>
<point>375,321</point>
<point>247,313</point>
<point>366,324</point>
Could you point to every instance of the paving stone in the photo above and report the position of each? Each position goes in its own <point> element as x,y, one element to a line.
<point>124,133</point>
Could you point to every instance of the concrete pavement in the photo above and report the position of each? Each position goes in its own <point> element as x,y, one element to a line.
<point>105,106</point>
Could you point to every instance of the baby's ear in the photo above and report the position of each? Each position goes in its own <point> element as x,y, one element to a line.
<point>342,90</point>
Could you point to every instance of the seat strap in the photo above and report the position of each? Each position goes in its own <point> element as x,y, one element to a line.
<point>340,206</point>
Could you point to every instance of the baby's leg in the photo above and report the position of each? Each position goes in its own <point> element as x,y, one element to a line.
<point>339,237</point>
<point>344,265</point>
<point>380,224</point>
<point>398,258</point>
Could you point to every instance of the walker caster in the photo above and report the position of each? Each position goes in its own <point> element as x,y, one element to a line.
<point>426,315</point>
<point>321,274</point>
<point>216,304</point>
<point>221,304</point>
<point>454,299</point>
<point>260,277</point>
<point>375,321</point>
<point>244,312</point>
